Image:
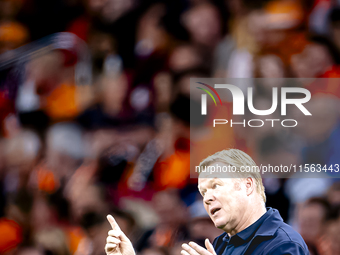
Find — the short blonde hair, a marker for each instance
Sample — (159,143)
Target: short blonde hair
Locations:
(238,159)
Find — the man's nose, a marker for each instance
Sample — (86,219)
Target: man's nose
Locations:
(208,197)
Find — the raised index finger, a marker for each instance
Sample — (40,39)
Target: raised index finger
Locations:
(113,222)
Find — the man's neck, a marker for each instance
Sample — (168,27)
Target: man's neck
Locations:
(253,214)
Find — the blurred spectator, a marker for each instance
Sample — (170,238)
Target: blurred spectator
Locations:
(335,22)
(314,61)
(52,240)
(333,194)
(201,226)
(12,33)
(96,228)
(171,227)
(329,242)
(184,58)
(204,25)
(312,216)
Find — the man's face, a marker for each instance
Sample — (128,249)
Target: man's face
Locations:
(224,199)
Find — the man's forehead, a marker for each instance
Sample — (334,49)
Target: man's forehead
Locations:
(205,177)
(206,180)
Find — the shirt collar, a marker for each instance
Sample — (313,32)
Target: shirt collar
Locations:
(270,224)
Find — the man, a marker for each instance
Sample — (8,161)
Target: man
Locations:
(235,202)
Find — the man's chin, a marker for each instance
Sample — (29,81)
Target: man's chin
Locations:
(219,225)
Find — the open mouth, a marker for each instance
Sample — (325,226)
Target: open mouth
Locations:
(213,211)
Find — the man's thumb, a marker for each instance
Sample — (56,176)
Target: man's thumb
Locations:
(209,246)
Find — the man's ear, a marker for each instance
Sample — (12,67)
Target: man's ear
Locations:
(250,185)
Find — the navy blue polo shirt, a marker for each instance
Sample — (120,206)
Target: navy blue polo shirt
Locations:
(268,235)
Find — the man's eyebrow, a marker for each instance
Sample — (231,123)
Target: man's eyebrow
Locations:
(208,183)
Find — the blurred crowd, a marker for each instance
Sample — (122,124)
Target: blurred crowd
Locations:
(82,137)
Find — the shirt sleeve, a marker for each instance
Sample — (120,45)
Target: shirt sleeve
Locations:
(288,248)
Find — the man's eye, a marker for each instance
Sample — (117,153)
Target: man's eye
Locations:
(215,186)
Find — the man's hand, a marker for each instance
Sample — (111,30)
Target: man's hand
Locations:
(117,242)
(194,249)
